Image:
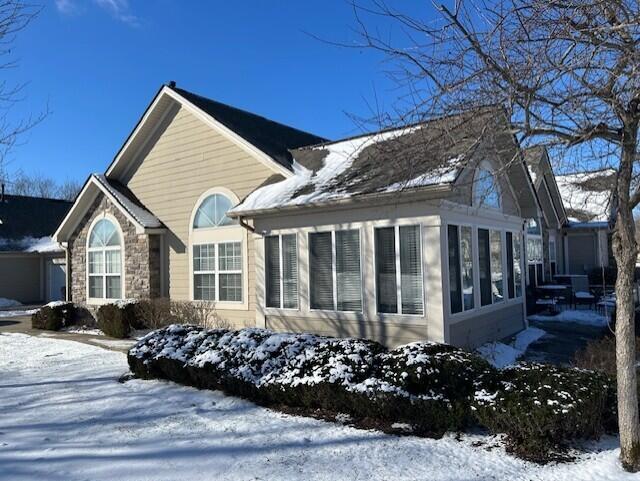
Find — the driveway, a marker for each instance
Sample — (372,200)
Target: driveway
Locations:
(22,324)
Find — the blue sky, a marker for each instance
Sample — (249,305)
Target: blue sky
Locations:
(96,64)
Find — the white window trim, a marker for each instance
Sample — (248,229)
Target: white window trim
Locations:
(478,308)
(217,235)
(515,234)
(121,247)
(334,272)
(281,262)
(474,242)
(399,314)
(216,272)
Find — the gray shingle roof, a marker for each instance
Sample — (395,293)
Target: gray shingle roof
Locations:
(273,138)
(129,202)
(28,217)
(423,155)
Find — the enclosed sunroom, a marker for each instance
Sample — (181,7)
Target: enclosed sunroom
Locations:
(402,235)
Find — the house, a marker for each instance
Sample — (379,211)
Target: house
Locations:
(154,223)
(32,265)
(573,234)
(405,234)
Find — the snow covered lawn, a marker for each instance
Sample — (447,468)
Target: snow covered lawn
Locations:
(65,417)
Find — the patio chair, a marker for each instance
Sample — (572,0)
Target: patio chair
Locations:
(584,298)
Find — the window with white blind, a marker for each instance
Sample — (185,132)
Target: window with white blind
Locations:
(217,272)
(398,260)
(335,275)
(281,271)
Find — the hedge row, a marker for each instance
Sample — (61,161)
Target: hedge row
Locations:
(432,387)
(54,316)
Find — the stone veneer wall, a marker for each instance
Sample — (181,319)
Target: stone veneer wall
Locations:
(141,256)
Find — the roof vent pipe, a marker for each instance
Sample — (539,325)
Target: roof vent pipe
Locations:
(172,84)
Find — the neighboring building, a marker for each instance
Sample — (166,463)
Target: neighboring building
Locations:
(401,235)
(32,265)
(573,236)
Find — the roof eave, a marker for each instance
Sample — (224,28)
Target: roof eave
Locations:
(346,203)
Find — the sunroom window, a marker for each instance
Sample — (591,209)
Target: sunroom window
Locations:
(398,261)
(104,261)
(335,271)
(281,264)
(460,268)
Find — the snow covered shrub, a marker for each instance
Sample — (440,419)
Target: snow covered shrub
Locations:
(425,384)
(321,372)
(118,318)
(54,316)
(164,353)
(543,408)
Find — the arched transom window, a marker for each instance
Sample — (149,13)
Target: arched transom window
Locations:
(486,192)
(217,252)
(212,212)
(105,261)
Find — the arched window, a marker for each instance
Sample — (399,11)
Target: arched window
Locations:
(218,254)
(486,192)
(104,261)
(212,212)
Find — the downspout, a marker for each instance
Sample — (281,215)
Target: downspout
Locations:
(243,223)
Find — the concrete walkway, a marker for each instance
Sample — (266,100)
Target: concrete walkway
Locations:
(22,324)
(561,342)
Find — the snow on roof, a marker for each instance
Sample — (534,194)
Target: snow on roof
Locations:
(30,244)
(128,202)
(423,155)
(307,186)
(587,195)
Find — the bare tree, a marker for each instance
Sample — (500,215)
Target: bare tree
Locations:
(567,74)
(40,186)
(15,15)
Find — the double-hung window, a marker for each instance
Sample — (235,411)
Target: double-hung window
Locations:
(335,275)
(398,262)
(281,271)
(460,268)
(217,272)
(105,261)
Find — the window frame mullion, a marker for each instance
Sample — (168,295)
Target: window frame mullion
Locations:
(334,270)
(281,261)
(398,273)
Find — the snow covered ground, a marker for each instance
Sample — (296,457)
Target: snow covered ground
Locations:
(4,302)
(502,355)
(586,317)
(65,417)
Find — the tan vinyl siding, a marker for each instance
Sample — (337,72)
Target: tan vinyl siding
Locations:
(387,333)
(188,159)
(494,324)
